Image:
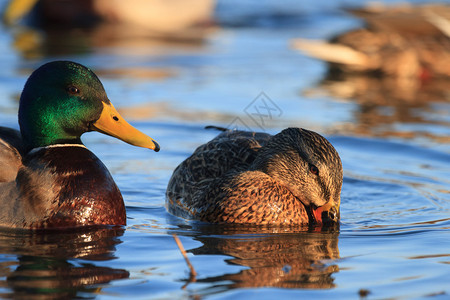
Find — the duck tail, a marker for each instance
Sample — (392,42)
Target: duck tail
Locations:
(216,128)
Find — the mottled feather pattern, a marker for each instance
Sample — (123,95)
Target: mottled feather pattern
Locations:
(250,197)
(255,178)
(214,159)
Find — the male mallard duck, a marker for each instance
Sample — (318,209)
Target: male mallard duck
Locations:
(49,179)
(291,178)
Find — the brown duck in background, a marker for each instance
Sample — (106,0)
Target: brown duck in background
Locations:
(396,65)
(400,41)
(291,178)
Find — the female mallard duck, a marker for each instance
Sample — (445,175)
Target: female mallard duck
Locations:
(291,178)
(403,42)
(49,179)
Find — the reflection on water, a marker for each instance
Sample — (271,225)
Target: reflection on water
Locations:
(40,264)
(33,43)
(384,102)
(273,257)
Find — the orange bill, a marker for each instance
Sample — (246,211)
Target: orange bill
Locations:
(327,213)
(112,123)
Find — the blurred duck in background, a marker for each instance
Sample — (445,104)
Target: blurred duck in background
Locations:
(403,42)
(399,60)
(61,27)
(155,15)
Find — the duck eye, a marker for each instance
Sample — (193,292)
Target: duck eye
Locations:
(73,90)
(313,169)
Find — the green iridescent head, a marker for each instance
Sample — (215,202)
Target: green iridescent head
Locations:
(58,102)
(62,100)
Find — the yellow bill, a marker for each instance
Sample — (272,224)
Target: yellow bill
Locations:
(112,123)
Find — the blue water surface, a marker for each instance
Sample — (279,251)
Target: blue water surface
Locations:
(394,237)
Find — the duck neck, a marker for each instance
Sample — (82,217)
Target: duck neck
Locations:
(39,139)
(46,121)
(41,132)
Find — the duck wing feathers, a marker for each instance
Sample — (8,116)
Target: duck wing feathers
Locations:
(11,151)
(232,150)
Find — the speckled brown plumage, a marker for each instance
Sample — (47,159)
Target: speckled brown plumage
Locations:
(255,178)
